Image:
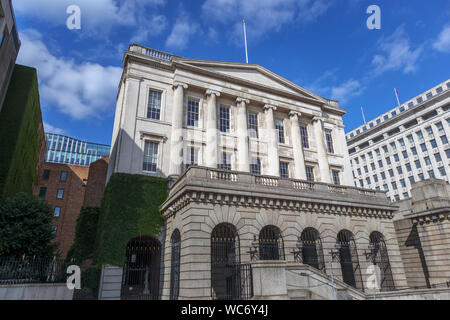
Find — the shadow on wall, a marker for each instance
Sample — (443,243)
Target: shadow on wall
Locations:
(413,240)
(128,157)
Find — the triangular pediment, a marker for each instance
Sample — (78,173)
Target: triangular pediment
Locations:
(254,74)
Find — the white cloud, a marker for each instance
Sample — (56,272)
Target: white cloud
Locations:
(182,30)
(78,90)
(262,16)
(51,129)
(346,91)
(397,53)
(443,42)
(97,16)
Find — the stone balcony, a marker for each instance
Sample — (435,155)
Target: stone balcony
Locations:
(241,188)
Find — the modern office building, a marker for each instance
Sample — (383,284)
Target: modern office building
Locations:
(9,46)
(409,143)
(66,150)
(261,188)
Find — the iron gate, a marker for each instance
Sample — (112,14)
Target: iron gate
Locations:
(348,254)
(175,265)
(311,249)
(229,279)
(141,272)
(380,258)
(271,246)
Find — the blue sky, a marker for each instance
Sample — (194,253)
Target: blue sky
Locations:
(322,45)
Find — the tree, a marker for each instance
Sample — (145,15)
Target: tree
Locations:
(25,227)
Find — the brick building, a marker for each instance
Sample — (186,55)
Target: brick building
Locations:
(67,188)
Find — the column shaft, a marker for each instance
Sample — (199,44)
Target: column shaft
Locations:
(273,161)
(322,154)
(299,159)
(211,152)
(176,146)
(242,135)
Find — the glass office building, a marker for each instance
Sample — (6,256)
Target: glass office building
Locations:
(66,150)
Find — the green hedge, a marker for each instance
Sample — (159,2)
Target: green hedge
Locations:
(20,123)
(85,234)
(130,208)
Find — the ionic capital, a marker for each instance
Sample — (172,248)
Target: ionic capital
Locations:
(212,92)
(177,84)
(242,100)
(293,114)
(269,107)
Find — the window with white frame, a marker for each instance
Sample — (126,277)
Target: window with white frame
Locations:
(253,125)
(310,173)
(304,136)
(284,169)
(335,176)
(255,166)
(150,156)
(154,105)
(226,161)
(224,119)
(192,112)
(191,157)
(280,130)
(329,139)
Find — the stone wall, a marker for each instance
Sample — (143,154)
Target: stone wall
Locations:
(35,292)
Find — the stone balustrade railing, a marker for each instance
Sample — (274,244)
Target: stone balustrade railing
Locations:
(166,57)
(240,179)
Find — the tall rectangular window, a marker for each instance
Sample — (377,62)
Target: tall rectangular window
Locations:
(60,194)
(253,125)
(226,161)
(304,136)
(42,192)
(284,169)
(46,175)
(310,174)
(154,105)
(329,139)
(63,177)
(224,119)
(444,139)
(280,129)
(57,212)
(335,175)
(150,156)
(192,113)
(255,166)
(191,157)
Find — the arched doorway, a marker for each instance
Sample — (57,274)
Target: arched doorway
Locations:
(348,255)
(141,273)
(271,246)
(225,263)
(380,258)
(312,251)
(175,242)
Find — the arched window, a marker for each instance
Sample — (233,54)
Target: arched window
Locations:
(225,262)
(380,258)
(271,245)
(348,255)
(141,274)
(175,242)
(312,252)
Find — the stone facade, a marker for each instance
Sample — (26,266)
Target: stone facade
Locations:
(9,46)
(423,229)
(200,200)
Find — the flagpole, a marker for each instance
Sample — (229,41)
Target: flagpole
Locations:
(396,94)
(245,38)
(364,117)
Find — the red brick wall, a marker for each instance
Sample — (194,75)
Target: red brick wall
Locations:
(74,191)
(95,186)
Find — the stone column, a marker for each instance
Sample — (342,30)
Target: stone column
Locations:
(242,135)
(176,145)
(211,154)
(322,154)
(347,176)
(273,161)
(299,159)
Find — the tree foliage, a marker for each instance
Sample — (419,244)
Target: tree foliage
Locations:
(25,227)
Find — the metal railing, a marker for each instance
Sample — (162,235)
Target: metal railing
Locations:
(231,282)
(32,270)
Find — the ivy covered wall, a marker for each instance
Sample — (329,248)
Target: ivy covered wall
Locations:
(130,208)
(21,133)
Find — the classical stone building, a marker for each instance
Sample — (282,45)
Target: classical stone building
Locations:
(262,203)
(404,145)
(423,230)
